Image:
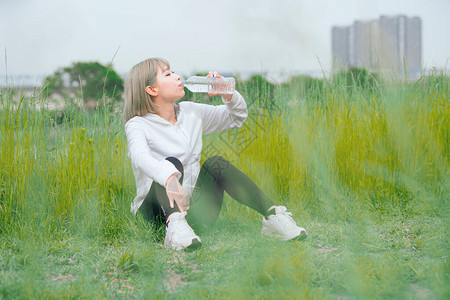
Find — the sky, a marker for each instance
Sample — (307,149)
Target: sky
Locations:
(39,36)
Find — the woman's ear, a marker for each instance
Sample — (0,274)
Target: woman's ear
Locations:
(152,91)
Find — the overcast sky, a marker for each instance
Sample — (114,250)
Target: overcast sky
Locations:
(199,35)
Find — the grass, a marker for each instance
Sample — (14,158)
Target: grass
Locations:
(365,171)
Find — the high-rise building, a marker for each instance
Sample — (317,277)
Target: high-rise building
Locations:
(389,43)
(413,44)
(340,45)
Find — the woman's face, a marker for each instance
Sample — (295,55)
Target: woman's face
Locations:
(168,84)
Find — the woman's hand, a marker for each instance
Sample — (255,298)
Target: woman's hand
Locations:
(176,193)
(216,75)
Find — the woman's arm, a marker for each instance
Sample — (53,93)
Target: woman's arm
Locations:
(141,157)
(223,117)
(231,115)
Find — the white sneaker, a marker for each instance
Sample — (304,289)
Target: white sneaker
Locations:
(179,235)
(282,226)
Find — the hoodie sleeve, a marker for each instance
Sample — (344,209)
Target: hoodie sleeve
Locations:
(141,156)
(223,117)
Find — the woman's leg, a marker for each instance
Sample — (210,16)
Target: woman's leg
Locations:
(156,206)
(216,176)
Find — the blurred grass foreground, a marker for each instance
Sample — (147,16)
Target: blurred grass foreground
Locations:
(363,164)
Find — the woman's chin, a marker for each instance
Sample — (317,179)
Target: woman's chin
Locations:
(182,95)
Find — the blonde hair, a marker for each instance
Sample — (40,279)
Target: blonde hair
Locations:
(137,102)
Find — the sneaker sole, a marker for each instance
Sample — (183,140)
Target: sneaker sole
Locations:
(299,237)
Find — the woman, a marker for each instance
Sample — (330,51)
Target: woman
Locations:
(165,144)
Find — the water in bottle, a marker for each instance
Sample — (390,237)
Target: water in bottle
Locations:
(199,84)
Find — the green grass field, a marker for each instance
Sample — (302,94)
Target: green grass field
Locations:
(365,169)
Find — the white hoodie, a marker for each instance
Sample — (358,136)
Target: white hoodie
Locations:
(151,139)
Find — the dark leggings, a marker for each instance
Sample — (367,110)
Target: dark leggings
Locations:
(216,176)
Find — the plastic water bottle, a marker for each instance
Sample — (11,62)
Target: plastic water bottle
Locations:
(199,84)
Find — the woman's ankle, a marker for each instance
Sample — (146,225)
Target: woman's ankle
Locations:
(168,218)
(271,211)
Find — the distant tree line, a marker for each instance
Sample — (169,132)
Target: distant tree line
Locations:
(92,81)
(88,80)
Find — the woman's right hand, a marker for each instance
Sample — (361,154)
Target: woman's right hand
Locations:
(175,193)
(217,75)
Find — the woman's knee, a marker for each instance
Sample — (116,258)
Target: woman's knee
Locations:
(215,166)
(216,160)
(177,163)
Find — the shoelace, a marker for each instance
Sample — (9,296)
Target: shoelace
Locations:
(288,215)
(179,224)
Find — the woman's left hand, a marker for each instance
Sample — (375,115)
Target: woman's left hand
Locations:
(175,193)
(216,75)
